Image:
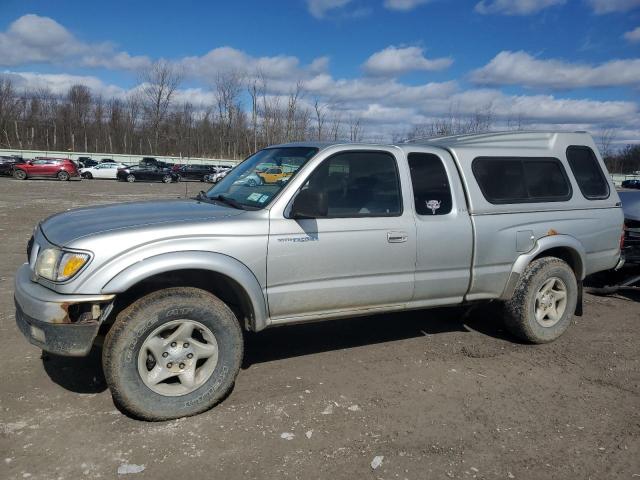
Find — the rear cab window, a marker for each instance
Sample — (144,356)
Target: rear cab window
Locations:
(521,179)
(431,189)
(586,169)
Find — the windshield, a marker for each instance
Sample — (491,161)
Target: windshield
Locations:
(257,180)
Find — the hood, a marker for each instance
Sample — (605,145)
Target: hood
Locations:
(630,204)
(62,228)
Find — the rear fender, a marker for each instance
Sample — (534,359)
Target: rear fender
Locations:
(567,242)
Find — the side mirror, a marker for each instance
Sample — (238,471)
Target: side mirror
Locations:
(310,203)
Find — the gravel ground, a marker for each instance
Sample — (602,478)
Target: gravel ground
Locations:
(433,394)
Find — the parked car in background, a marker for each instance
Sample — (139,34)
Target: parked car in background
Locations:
(631,241)
(273,175)
(250,179)
(86,162)
(194,172)
(7,162)
(60,168)
(633,183)
(102,170)
(218,175)
(147,173)
(154,162)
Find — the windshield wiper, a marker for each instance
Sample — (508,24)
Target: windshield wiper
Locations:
(228,201)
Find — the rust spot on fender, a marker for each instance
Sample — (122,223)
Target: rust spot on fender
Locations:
(552,232)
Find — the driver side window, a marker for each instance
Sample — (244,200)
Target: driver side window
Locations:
(359,184)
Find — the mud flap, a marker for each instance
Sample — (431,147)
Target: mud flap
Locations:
(578,312)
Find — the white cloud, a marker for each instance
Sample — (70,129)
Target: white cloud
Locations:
(542,107)
(515,7)
(320,8)
(227,59)
(399,60)
(59,83)
(600,7)
(35,39)
(520,68)
(404,5)
(633,36)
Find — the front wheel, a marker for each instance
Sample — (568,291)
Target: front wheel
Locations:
(173,353)
(87,175)
(166,179)
(544,301)
(19,174)
(63,176)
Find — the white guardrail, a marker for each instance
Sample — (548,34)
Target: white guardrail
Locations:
(119,157)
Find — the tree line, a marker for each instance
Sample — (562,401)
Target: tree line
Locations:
(151,121)
(242,118)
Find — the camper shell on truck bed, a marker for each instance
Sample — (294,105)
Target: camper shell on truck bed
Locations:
(356,229)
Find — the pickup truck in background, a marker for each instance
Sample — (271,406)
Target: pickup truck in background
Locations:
(357,229)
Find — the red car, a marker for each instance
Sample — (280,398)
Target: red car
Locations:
(60,168)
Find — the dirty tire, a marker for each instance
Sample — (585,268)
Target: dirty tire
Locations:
(63,176)
(136,323)
(520,317)
(19,174)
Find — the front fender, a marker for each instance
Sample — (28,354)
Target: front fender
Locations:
(198,260)
(542,245)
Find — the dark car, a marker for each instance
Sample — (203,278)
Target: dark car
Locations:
(633,183)
(631,242)
(60,168)
(86,162)
(146,173)
(108,160)
(8,162)
(195,172)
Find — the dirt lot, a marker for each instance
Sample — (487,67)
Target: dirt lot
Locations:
(441,393)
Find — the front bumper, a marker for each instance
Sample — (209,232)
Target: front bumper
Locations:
(44,316)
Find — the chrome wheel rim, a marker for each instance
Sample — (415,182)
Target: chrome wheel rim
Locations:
(551,302)
(131,178)
(178,357)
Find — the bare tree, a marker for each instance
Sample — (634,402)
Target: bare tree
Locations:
(159,84)
(321,117)
(605,142)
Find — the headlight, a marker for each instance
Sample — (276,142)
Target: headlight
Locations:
(57,265)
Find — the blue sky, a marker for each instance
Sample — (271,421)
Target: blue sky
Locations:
(547,61)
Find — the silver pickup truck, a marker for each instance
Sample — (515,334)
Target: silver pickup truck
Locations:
(305,232)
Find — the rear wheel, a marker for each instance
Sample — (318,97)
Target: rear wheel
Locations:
(544,301)
(19,174)
(131,178)
(63,176)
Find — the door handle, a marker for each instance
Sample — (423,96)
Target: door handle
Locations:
(396,237)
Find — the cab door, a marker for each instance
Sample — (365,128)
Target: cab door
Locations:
(360,256)
(443,228)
